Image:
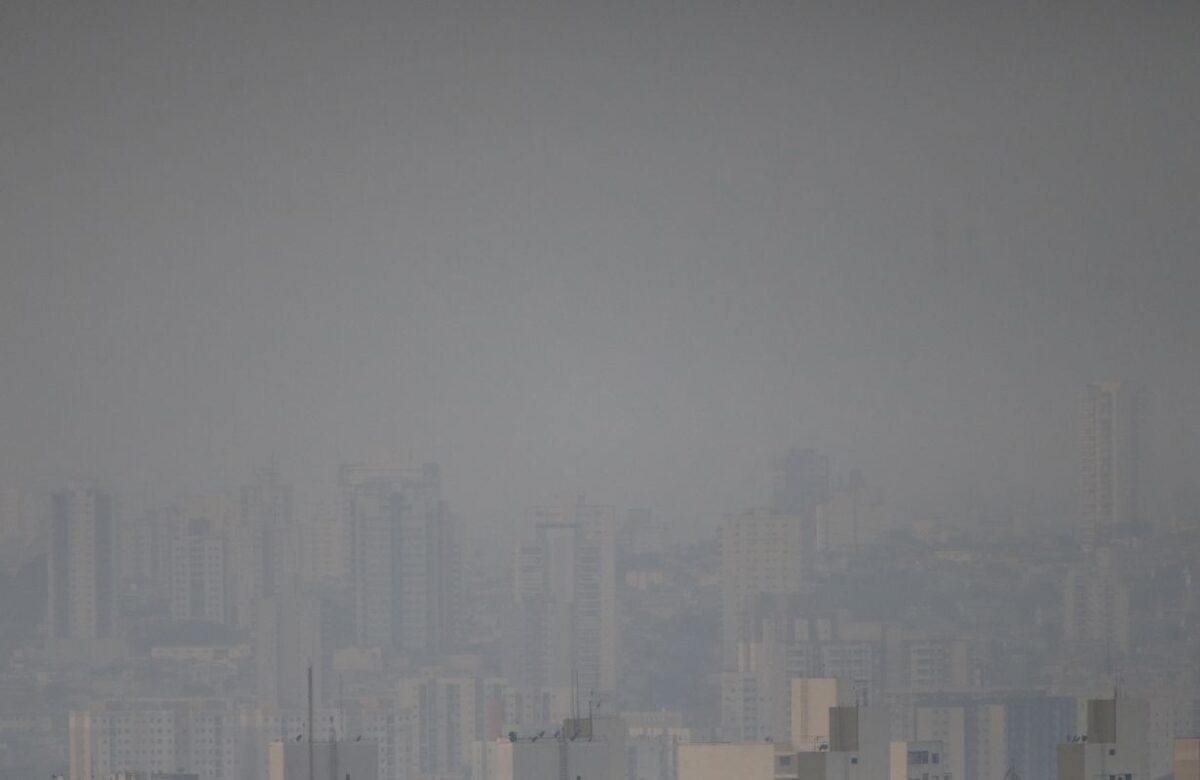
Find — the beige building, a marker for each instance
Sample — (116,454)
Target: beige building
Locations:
(947,726)
(812,699)
(1187,759)
(726,761)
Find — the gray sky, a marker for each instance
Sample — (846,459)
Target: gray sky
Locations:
(629,248)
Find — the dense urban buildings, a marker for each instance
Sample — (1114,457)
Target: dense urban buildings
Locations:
(828,636)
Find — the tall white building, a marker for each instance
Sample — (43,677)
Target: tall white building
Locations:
(448,712)
(266,543)
(566,633)
(761,554)
(1110,466)
(83,565)
(404,558)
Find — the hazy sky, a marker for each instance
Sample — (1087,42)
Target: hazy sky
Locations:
(629,248)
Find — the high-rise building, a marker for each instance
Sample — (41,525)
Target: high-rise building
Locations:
(1110,464)
(448,709)
(405,561)
(266,544)
(567,629)
(83,564)
(761,553)
(199,579)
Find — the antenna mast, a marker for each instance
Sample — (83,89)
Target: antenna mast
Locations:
(311,724)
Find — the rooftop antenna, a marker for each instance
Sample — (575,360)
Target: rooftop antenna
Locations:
(575,694)
(311,724)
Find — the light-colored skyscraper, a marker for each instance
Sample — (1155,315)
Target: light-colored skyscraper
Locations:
(761,553)
(567,600)
(405,561)
(83,564)
(1110,466)
(448,710)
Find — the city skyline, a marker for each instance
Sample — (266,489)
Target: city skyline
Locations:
(616,390)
